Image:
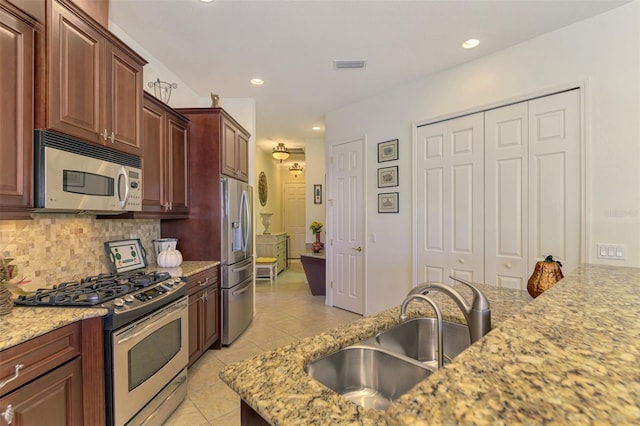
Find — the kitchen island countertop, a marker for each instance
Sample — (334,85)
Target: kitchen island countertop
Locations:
(569,357)
(25,323)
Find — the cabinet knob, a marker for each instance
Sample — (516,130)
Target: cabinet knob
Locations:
(461,260)
(508,265)
(7,414)
(104,134)
(112,137)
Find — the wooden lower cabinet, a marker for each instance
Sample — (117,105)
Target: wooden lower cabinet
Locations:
(204,313)
(61,381)
(53,399)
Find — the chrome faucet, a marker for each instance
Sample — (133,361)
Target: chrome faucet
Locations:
(403,317)
(477,315)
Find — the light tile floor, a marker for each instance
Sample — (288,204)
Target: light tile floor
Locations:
(285,312)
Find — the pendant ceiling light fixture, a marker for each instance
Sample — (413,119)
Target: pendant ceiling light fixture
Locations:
(296,169)
(280,152)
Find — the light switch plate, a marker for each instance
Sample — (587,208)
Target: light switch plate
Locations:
(611,251)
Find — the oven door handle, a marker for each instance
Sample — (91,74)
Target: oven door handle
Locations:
(166,315)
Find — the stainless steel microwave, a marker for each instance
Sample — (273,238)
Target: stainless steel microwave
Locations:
(71,175)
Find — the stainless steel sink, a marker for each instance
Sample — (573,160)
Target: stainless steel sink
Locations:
(368,376)
(417,339)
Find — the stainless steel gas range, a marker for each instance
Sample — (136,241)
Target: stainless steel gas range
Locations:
(145,338)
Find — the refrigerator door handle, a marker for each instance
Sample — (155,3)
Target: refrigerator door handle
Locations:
(243,268)
(242,290)
(245,208)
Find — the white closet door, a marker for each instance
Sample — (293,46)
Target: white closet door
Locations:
(554,191)
(506,202)
(450,211)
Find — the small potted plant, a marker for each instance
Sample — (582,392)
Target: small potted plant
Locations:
(316,227)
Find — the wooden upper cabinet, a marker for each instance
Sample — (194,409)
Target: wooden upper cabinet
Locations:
(177,146)
(124,87)
(164,161)
(234,146)
(94,81)
(17,56)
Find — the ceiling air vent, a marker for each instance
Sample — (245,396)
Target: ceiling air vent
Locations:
(296,151)
(349,65)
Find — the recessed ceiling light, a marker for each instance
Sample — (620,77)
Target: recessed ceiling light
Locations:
(206,1)
(315,128)
(471,43)
(257,81)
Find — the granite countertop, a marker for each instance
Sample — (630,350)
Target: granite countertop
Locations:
(24,323)
(569,357)
(276,386)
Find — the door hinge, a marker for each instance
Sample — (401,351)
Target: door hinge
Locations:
(331,284)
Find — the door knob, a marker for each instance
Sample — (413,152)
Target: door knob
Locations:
(356,248)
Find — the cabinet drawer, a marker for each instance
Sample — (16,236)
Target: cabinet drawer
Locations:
(39,355)
(203,279)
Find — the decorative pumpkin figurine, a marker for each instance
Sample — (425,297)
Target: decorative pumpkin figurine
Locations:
(169,258)
(545,275)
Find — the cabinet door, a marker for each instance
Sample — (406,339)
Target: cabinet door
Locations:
(153,146)
(211,315)
(177,146)
(16,109)
(123,101)
(196,315)
(55,398)
(75,64)
(242,156)
(228,145)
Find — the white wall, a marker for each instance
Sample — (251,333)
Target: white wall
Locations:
(315,174)
(243,110)
(603,52)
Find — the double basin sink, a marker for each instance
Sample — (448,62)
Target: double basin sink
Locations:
(377,371)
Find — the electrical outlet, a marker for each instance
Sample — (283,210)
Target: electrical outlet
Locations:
(611,251)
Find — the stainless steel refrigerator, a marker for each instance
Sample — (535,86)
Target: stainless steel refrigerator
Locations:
(236,257)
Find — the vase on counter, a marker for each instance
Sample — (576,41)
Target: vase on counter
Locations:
(317,245)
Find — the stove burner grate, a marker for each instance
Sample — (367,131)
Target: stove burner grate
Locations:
(92,290)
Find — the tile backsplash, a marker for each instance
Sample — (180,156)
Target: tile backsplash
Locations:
(54,248)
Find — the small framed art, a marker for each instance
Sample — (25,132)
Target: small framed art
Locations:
(317,194)
(388,202)
(388,176)
(388,151)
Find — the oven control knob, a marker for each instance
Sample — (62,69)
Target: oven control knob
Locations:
(129,298)
(118,302)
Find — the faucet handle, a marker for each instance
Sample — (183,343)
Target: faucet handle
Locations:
(479,301)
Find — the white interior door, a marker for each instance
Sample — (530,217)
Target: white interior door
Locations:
(450,211)
(532,192)
(294,214)
(346,210)
(506,195)
(554,190)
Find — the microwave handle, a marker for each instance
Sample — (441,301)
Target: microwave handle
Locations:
(122,173)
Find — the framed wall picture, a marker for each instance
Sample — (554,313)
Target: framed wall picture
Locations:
(388,151)
(388,202)
(317,194)
(387,176)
